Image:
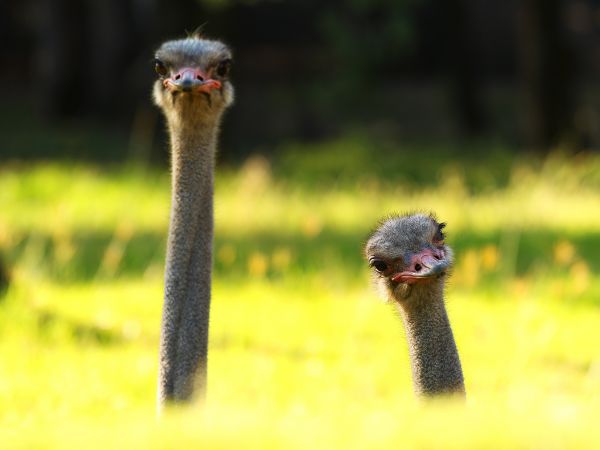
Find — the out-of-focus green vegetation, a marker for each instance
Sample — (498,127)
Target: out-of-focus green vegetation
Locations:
(302,354)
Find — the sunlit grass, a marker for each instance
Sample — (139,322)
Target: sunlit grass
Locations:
(302,354)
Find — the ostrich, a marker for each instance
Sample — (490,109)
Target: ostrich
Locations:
(410,262)
(193,91)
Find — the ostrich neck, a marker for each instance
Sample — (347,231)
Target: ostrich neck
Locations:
(184,331)
(434,358)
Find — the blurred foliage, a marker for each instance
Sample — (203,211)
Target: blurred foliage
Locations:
(305,71)
(312,205)
(366,39)
(302,355)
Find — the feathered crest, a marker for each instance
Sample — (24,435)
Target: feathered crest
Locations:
(400,215)
(198,33)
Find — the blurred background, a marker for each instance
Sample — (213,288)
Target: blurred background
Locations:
(486,112)
(519,72)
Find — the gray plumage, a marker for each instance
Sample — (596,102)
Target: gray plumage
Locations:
(410,262)
(193,91)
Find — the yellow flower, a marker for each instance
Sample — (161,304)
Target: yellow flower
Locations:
(564,252)
(258,264)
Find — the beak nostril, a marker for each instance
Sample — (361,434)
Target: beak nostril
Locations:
(199,78)
(417,267)
(178,76)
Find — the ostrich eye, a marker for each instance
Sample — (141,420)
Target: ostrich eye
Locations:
(440,236)
(223,68)
(160,68)
(379,265)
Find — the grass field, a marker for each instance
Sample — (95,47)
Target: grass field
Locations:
(302,353)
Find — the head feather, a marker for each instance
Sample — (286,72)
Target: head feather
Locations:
(198,33)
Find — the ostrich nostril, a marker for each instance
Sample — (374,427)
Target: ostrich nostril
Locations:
(198,77)
(178,76)
(417,267)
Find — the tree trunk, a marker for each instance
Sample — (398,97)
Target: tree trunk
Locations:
(463,66)
(59,69)
(546,73)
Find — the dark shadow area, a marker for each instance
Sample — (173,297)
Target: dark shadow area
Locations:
(28,137)
(78,76)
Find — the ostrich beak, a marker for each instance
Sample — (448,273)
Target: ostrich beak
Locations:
(425,265)
(191,80)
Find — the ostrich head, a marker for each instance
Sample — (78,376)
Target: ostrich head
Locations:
(193,80)
(409,258)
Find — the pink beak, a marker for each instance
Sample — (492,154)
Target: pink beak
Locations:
(191,79)
(425,265)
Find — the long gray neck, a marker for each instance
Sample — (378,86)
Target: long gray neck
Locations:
(184,331)
(434,358)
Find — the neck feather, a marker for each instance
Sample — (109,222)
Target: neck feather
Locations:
(434,358)
(184,332)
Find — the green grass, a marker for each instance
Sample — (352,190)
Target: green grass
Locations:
(302,353)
